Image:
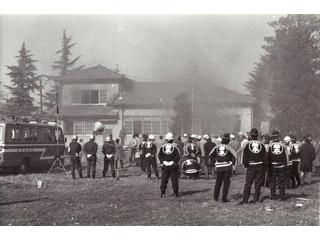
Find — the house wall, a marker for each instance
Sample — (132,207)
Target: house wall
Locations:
(245,117)
(69,89)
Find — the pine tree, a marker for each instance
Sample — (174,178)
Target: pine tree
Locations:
(292,61)
(259,85)
(182,120)
(24,82)
(62,66)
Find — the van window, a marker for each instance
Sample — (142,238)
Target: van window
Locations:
(14,134)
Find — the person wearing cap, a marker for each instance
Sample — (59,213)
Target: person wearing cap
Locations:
(90,149)
(277,160)
(288,167)
(169,157)
(109,151)
(307,155)
(295,159)
(74,151)
(222,157)
(207,148)
(255,162)
(185,138)
(149,151)
(191,149)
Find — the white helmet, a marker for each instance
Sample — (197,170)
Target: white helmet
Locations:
(287,139)
(206,136)
(108,139)
(219,139)
(151,137)
(169,136)
(75,137)
(91,137)
(232,136)
(199,137)
(185,135)
(193,136)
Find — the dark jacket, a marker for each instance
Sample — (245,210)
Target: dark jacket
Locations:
(222,158)
(307,155)
(169,152)
(74,148)
(90,148)
(254,154)
(149,147)
(277,156)
(108,148)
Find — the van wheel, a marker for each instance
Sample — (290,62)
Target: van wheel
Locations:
(25,166)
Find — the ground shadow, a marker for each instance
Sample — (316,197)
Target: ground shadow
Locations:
(22,201)
(194,192)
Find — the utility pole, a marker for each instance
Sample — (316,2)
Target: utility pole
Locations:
(192,104)
(41,104)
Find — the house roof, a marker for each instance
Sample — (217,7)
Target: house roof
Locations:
(205,93)
(85,111)
(91,74)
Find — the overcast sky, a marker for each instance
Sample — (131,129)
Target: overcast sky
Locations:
(218,48)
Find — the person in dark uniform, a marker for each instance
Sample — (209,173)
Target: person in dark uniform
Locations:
(109,151)
(295,158)
(307,155)
(149,151)
(142,157)
(90,149)
(74,151)
(255,162)
(277,160)
(169,157)
(208,146)
(222,158)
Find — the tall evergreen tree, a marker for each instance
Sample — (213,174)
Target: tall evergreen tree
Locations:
(63,65)
(24,82)
(293,62)
(259,85)
(182,120)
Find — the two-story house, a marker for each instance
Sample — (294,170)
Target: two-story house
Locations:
(99,94)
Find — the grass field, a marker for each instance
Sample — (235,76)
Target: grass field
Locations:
(133,200)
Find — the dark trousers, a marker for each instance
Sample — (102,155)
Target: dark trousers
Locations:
(288,170)
(277,178)
(151,162)
(91,166)
(171,172)
(106,163)
(295,176)
(75,164)
(222,177)
(143,163)
(254,174)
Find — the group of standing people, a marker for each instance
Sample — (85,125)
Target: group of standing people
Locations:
(113,156)
(276,163)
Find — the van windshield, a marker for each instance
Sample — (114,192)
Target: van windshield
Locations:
(1,133)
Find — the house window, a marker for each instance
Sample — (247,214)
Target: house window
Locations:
(94,96)
(128,125)
(147,127)
(164,126)
(83,128)
(155,127)
(77,128)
